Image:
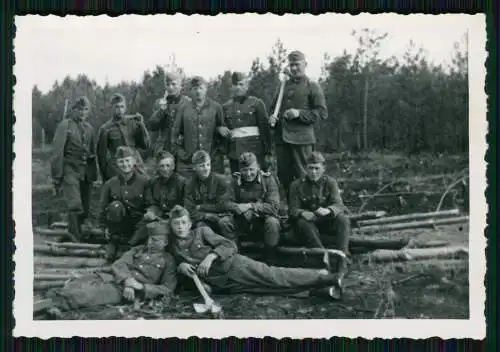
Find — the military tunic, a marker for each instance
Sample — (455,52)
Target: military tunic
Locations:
(120,132)
(247,119)
(155,270)
(234,273)
(306,195)
(262,219)
(206,200)
(295,138)
(163,194)
(74,168)
(163,120)
(198,128)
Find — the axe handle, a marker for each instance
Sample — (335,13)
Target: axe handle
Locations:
(202,290)
(280,98)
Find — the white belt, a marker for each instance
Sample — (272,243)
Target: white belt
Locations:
(242,132)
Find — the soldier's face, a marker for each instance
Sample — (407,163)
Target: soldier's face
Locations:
(181,226)
(315,171)
(297,68)
(202,170)
(83,112)
(249,173)
(126,165)
(173,87)
(240,89)
(119,108)
(157,243)
(199,92)
(166,167)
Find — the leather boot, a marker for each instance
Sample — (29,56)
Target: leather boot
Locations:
(74,226)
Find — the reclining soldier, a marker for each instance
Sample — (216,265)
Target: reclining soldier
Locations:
(206,197)
(215,260)
(145,272)
(317,212)
(123,204)
(255,201)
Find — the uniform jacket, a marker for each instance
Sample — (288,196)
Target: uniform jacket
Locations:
(198,128)
(306,195)
(163,120)
(155,270)
(206,197)
(248,111)
(308,97)
(115,133)
(263,193)
(130,193)
(162,195)
(73,152)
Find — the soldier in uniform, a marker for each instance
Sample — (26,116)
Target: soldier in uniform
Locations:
(207,195)
(247,119)
(120,130)
(317,212)
(162,120)
(199,125)
(255,203)
(215,260)
(145,272)
(303,104)
(123,204)
(73,165)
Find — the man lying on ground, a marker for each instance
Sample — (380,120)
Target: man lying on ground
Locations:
(143,273)
(216,261)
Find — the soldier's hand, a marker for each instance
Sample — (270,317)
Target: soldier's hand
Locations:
(225,132)
(149,216)
(139,117)
(128,293)
(186,269)
(291,114)
(273,119)
(56,189)
(322,211)
(309,216)
(244,207)
(107,234)
(248,215)
(204,266)
(97,183)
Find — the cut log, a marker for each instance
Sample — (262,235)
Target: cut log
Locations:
(396,194)
(42,304)
(374,214)
(429,264)
(383,255)
(45,285)
(378,243)
(72,245)
(42,188)
(412,225)
(53,277)
(416,216)
(69,252)
(72,271)
(69,262)
(293,250)
(428,244)
(63,232)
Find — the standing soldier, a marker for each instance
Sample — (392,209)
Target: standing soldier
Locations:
(199,125)
(73,165)
(163,119)
(247,119)
(120,130)
(255,203)
(303,104)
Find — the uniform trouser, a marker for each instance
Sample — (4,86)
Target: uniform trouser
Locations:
(266,228)
(335,231)
(77,195)
(292,162)
(125,233)
(248,275)
(222,225)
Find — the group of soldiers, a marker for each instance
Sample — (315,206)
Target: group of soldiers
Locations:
(189,207)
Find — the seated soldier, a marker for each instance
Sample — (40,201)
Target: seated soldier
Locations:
(206,196)
(123,204)
(255,203)
(144,272)
(316,208)
(215,260)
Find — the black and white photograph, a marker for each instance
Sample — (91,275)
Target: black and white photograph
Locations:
(287,176)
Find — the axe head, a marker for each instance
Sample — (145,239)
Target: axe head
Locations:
(207,307)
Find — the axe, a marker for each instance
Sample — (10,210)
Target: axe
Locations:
(209,304)
(277,107)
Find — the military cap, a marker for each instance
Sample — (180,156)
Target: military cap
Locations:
(124,152)
(315,158)
(296,55)
(163,154)
(247,159)
(200,156)
(172,76)
(81,102)
(198,81)
(178,212)
(117,98)
(158,228)
(116,212)
(237,77)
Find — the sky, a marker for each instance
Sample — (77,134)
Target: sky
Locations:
(48,48)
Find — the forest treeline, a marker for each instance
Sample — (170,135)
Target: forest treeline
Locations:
(407,104)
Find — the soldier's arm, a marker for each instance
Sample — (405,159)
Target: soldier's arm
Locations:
(219,117)
(181,190)
(152,202)
(295,205)
(102,150)
(176,131)
(168,281)
(105,199)
(121,267)
(317,106)
(156,120)
(264,128)
(271,203)
(223,247)
(189,201)
(57,157)
(336,204)
(93,142)
(231,201)
(142,137)
(222,197)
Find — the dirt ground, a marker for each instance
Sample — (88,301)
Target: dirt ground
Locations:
(372,290)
